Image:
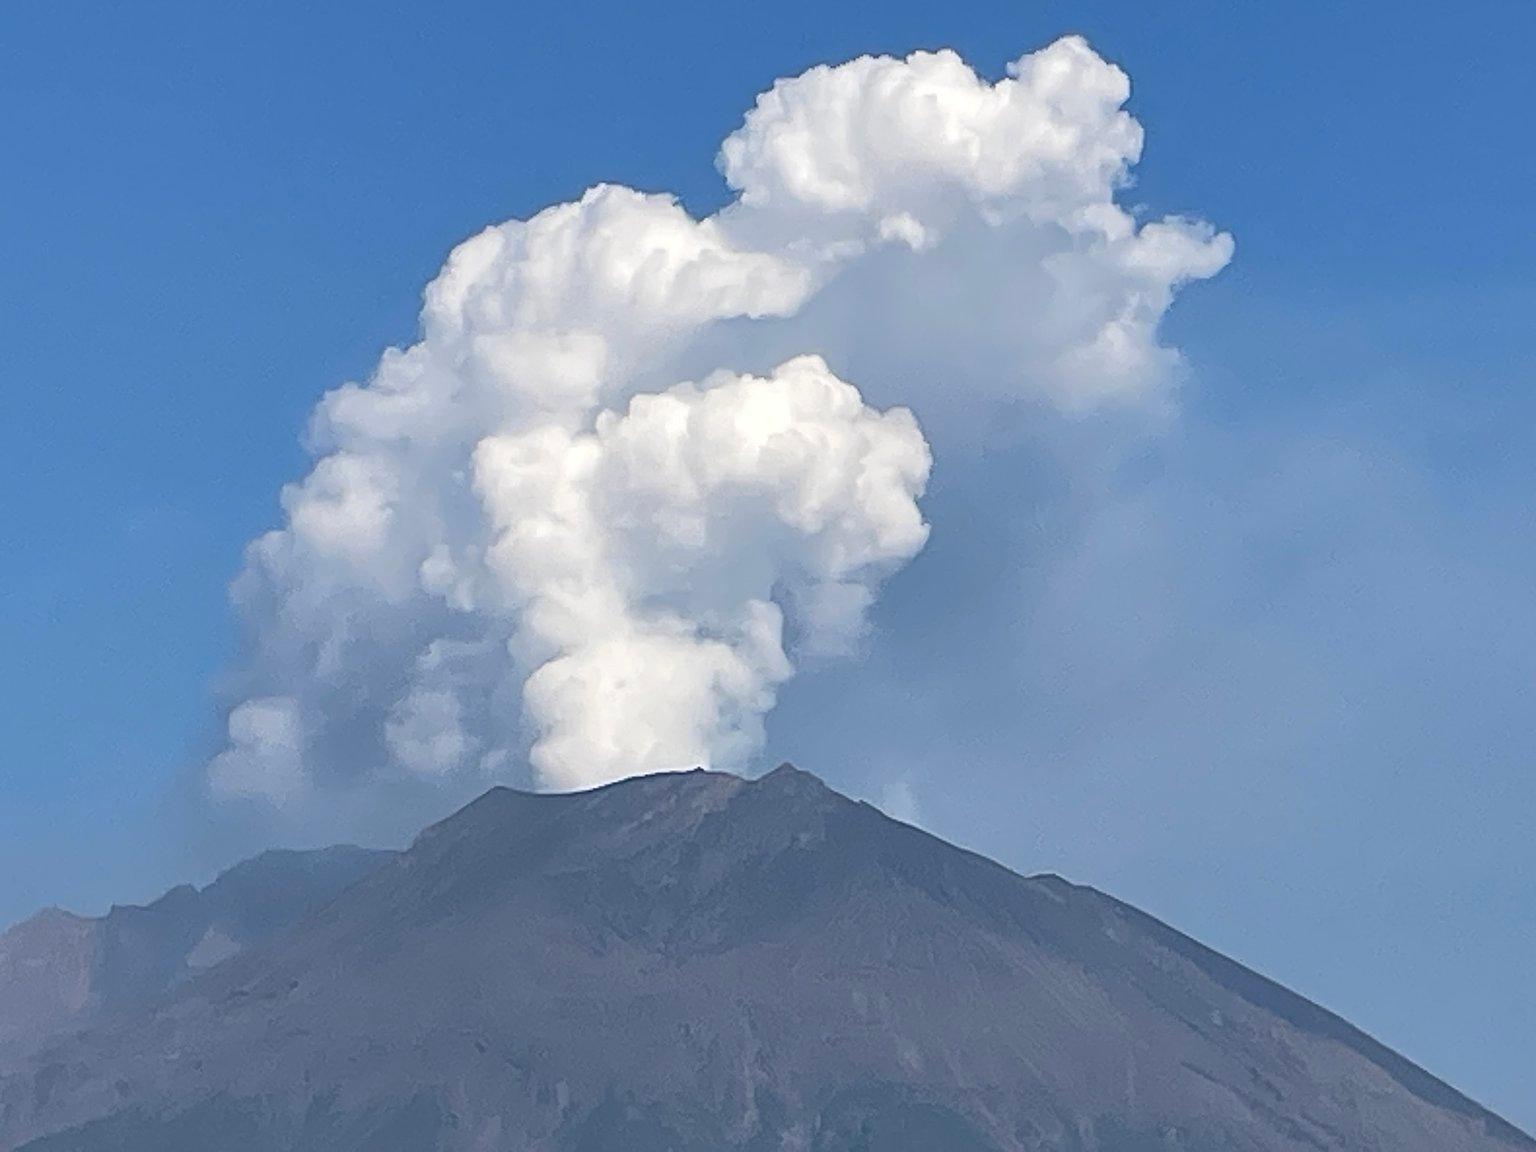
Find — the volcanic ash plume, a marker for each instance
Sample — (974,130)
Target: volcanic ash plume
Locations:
(615,491)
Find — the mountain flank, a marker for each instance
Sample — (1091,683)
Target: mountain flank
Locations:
(59,971)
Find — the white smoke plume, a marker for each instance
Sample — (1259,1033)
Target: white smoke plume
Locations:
(615,491)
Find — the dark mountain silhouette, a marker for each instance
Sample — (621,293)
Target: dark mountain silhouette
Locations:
(698,963)
(59,971)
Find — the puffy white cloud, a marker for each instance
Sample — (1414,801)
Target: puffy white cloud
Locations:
(641,559)
(907,142)
(595,515)
(265,755)
(656,695)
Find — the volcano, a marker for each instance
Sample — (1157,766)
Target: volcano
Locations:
(695,962)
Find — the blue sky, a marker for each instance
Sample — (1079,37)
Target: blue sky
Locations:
(1266,674)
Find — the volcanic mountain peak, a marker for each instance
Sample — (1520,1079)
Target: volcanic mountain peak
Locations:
(698,963)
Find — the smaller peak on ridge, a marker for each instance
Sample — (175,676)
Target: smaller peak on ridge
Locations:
(53,914)
(173,899)
(50,919)
(787,771)
(788,780)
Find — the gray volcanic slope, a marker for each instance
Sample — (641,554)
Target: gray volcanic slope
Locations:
(696,963)
(60,971)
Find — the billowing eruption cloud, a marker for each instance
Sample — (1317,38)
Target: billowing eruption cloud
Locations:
(627,477)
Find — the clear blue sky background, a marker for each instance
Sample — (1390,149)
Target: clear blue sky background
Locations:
(1298,723)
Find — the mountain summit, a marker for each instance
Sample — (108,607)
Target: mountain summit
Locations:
(694,962)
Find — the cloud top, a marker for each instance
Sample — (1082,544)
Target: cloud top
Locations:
(884,139)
